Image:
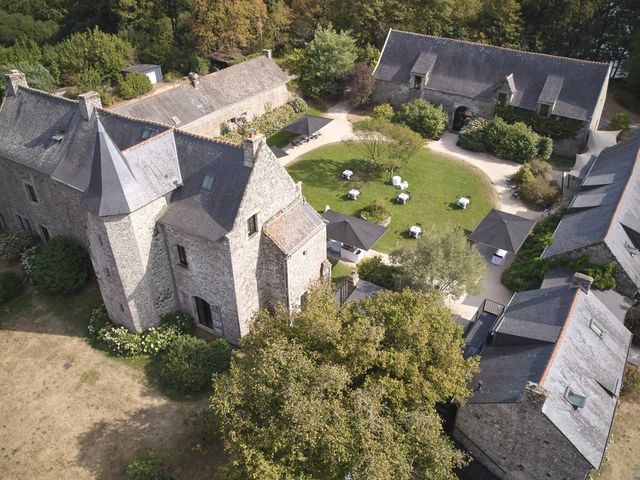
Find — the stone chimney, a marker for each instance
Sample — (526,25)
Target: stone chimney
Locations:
(252,144)
(266,52)
(582,281)
(14,80)
(535,394)
(88,102)
(194,79)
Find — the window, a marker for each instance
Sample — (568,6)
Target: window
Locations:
(204,313)
(148,132)
(31,192)
(502,99)
(207,183)
(417,82)
(596,328)
(100,240)
(252,224)
(24,222)
(545,110)
(576,400)
(182,255)
(45,233)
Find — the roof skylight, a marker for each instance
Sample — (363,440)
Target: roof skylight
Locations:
(596,328)
(207,183)
(576,400)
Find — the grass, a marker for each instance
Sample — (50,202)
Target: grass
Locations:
(435,183)
(339,270)
(282,138)
(90,377)
(562,163)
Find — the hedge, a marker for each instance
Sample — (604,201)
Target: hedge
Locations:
(557,128)
(376,212)
(10,286)
(373,270)
(61,266)
(424,118)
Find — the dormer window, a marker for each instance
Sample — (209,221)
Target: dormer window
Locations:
(633,251)
(502,99)
(148,132)
(598,330)
(417,82)
(207,183)
(577,401)
(544,110)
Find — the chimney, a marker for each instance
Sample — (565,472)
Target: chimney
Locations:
(266,52)
(14,80)
(88,102)
(251,145)
(535,394)
(194,79)
(582,281)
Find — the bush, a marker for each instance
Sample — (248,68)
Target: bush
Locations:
(632,322)
(424,118)
(496,129)
(373,270)
(545,148)
(472,135)
(134,85)
(189,362)
(384,111)
(88,80)
(543,169)
(10,286)
(28,261)
(518,144)
(525,174)
(619,121)
(13,245)
(61,266)
(376,212)
(148,465)
(539,193)
(37,75)
(360,83)
(298,104)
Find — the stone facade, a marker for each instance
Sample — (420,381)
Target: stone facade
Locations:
(516,441)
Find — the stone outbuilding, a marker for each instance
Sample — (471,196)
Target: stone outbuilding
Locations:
(172,220)
(471,79)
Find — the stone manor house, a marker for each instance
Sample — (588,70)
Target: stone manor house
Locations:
(172,220)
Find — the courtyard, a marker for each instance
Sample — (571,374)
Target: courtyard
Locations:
(435,184)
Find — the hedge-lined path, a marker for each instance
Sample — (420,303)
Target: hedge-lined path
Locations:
(71,411)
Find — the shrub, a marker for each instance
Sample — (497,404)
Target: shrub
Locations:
(360,83)
(376,212)
(555,127)
(384,112)
(422,117)
(518,143)
(37,75)
(61,266)
(298,105)
(525,174)
(472,135)
(373,270)
(13,245)
(10,286)
(148,465)
(619,121)
(88,80)
(189,362)
(496,129)
(539,193)
(632,322)
(134,85)
(28,261)
(543,169)
(545,148)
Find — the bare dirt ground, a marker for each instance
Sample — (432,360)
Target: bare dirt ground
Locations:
(68,410)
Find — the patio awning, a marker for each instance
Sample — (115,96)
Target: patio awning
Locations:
(352,230)
(502,230)
(307,125)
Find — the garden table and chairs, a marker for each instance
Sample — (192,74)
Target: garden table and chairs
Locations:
(353,194)
(415,231)
(403,185)
(347,175)
(463,202)
(403,198)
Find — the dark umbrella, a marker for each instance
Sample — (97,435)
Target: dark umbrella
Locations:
(307,125)
(502,230)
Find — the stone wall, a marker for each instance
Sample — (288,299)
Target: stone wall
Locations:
(254,106)
(516,441)
(304,267)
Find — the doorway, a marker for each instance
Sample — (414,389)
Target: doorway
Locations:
(461,117)
(204,313)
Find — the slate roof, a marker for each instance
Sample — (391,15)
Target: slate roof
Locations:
(292,227)
(476,70)
(214,92)
(606,209)
(352,231)
(502,230)
(545,336)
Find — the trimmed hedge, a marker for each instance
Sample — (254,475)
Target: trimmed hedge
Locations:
(13,245)
(189,362)
(61,266)
(10,286)
(424,118)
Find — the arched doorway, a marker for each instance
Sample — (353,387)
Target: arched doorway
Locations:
(461,117)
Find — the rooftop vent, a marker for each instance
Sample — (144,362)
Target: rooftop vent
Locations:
(149,132)
(633,251)
(175,120)
(207,183)
(57,138)
(577,401)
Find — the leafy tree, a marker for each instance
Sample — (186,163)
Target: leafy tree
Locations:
(360,84)
(326,59)
(422,117)
(383,111)
(373,270)
(368,135)
(632,64)
(226,24)
(173,9)
(37,76)
(442,260)
(23,50)
(61,266)
(134,85)
(13,25)
(323,393)
(88,80)
(500,23)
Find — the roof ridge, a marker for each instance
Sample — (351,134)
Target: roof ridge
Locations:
(501,48)
(625,189)
(49,94)
(149,140)
(135,119)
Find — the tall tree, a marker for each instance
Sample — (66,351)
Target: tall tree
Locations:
(442,260)
(326,394)
(499,23)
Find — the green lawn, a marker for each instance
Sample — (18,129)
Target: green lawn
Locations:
(435,183)
(282,139)
(339,271)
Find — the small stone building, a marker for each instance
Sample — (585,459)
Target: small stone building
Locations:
(233,95)
(172,220)
(471,79)
(551,368)
(603,219)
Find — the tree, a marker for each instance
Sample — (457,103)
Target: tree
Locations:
(226,24)
(500,23)
(422,117)
(367,133)
(360,84)
(134,85)
(326,59)
(323,393)
(173,9)
(632,64)
(13,25)
(442,260)
(37,76)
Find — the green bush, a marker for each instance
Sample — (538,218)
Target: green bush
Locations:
(525,174)
(88,80)
(518,144)
(539,193)
(472,135)
(37,75)
(28,261)
(376,212)
(495,131)
(545,148)
(13,245)
(424,118)
(10,286)
(189,362)
(619,121)
(557,128)
(373,270)
(148,465)
(61,266)
(134,85)
(384,112)
(298,104)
